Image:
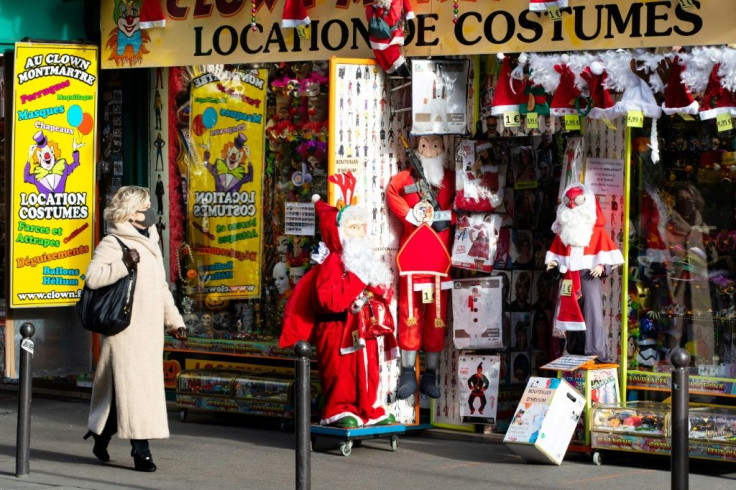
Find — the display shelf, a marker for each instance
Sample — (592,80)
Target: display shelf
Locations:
(699,385)
(249,348)
(662,446)
(633,418)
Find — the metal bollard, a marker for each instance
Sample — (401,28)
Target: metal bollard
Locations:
(303,416)
(680,462)
(23,440)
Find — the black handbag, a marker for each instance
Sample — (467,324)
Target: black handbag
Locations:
(107,310)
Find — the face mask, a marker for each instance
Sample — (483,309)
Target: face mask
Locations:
(149,217)
(684,207)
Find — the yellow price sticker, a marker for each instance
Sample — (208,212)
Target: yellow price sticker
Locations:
(428,294)
(532,120)
(635,119)
(302,31)
(511,119)
(687,4)
(572,122)
(566,287)
(724,122)
(686,117)
(554,13)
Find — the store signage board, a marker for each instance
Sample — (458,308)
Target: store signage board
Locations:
(52,172)
(199,32)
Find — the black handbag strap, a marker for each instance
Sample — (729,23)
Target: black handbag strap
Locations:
(122,245)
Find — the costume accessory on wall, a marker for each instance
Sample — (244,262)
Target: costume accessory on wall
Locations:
(479,181)
(477,313)
(542,5)
(567,93)
(677,96)
(152,15)
(476,240)
(602,105)
(107,310)
(508,94)
(294,14)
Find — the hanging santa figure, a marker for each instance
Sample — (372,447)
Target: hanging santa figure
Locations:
(584,252)
(421,197)
(386,34)
(341,306)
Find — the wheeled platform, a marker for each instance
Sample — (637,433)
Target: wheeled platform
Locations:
(353,437)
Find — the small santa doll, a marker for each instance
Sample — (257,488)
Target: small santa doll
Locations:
(582,244)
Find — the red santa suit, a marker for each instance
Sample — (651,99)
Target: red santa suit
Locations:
(418,327)
(572,259)
(320,311)
(387,49)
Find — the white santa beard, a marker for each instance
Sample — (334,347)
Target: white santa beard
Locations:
(359,258)
(575,225)
(434,169)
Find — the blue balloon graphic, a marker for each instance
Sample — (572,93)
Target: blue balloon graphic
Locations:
(209,117)
(74,115)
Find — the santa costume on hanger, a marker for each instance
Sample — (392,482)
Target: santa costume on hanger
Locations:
(326,307)
(582,244)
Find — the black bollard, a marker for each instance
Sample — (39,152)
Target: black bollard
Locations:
(23,440)
(680,462)
(303,416)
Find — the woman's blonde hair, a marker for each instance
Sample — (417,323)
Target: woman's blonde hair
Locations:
(124,204)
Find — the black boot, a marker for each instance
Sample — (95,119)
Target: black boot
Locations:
(100,447)
(142,455)
(407,383)
(428,384)
(403,71)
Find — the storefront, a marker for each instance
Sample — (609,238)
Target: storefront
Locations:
(299,111)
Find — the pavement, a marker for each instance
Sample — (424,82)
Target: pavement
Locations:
(235,452)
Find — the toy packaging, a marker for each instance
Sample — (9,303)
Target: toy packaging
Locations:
(476,307)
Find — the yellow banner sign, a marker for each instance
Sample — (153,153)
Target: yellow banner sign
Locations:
(52,172)
(207,32)
(226,181)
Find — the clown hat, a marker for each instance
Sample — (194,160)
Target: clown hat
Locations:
(40,139)
(327,216)
(717,99)
(602,103)
(294,14)
(542,5)
(152,15)
(240,140)
(563,100)
(677,97)
(508,92)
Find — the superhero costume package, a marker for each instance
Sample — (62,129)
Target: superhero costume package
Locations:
(477,307)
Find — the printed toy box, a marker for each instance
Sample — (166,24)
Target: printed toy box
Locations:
(634,417)
(545,419)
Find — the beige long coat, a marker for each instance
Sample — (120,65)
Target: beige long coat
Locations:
(132,361)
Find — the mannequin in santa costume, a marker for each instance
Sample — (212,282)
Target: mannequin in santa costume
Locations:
(421,324)
(583,251)
(324,308)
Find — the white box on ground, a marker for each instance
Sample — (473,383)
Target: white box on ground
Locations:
(545,420)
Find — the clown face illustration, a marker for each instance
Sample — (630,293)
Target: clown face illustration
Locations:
(129,21)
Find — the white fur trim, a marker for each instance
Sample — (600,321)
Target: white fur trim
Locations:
(316,197)
(291,23)
(570,326)
(692,109)
(499,110)
(409,15)
(579,262)
(380,46)
(354,348)
(340,416)
(396,64)
(715,112)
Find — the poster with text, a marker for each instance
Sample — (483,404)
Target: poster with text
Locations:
(52,172)
(225,187)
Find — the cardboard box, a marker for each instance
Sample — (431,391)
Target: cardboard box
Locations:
(545,419)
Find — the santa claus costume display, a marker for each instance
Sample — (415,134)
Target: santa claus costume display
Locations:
(326,308)
(422,305)
(584,252)
(386,33)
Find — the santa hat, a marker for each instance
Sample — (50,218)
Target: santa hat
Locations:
(717,99)
(542,5)
(677,97)
(710,71)
(328,224)
(509,92)
(602,103)
(424,254)
(152,15)
(567,91)
(294,14)
(568,316)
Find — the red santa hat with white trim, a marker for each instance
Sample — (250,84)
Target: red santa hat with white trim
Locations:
(509,92)
(566,93)
(602,102)
(328,217)
(710,71)
(294,14)
(152,15)
(677,96)
(542,5)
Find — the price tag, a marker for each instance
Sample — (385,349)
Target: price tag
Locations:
(572,122)
(566,287)
(303,31)
(635,119)
(724,122)
(554,13)
(511,119)
(445,215)
(428,294)
(532,120)
(687,4)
